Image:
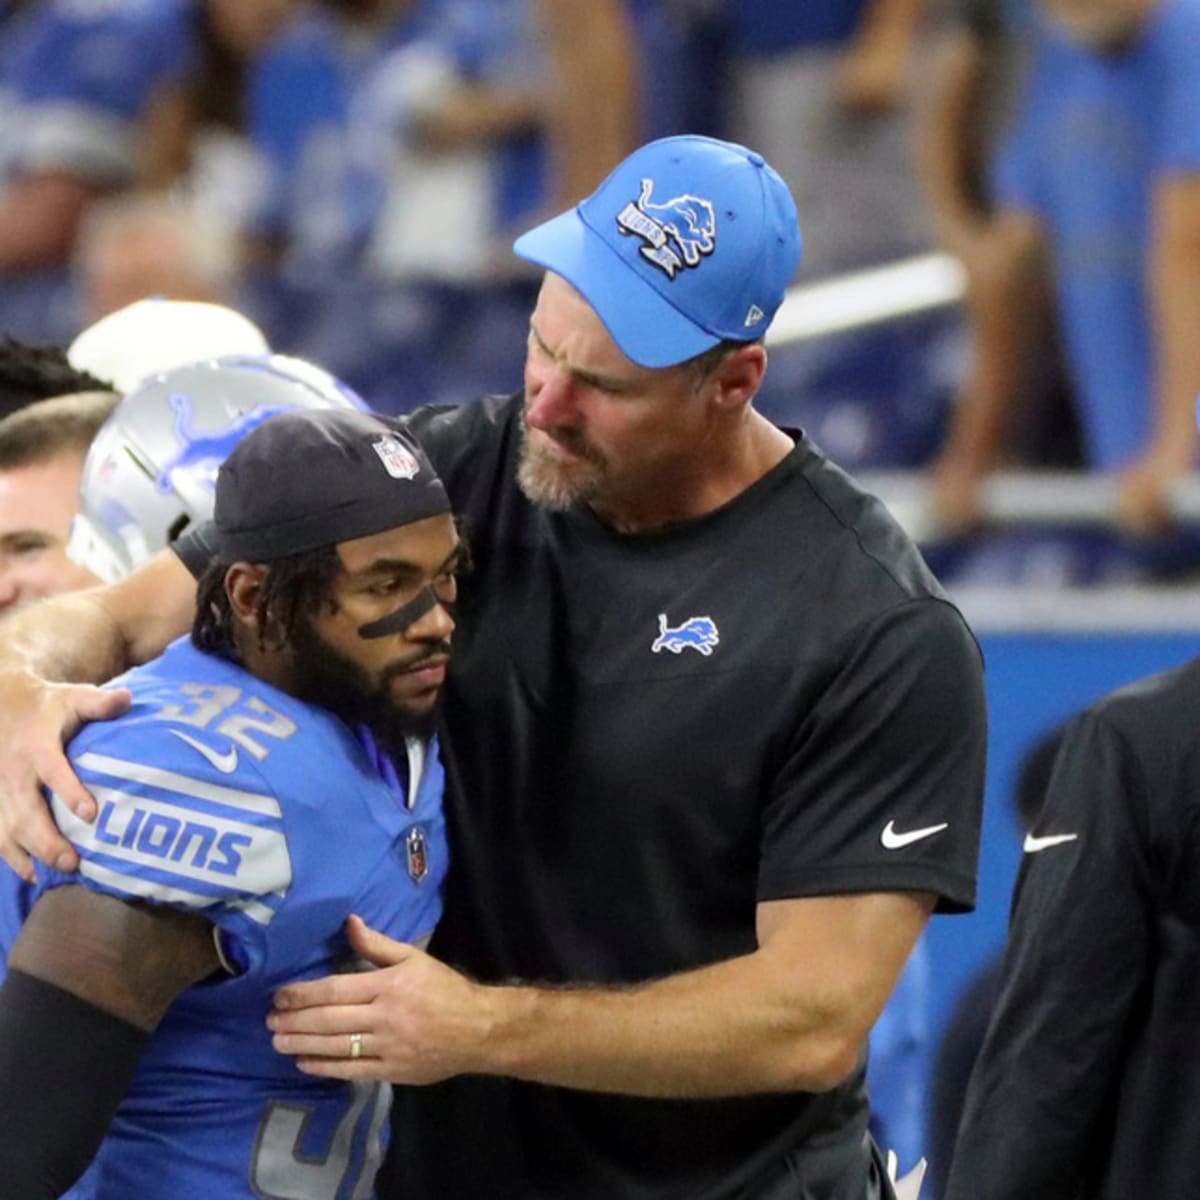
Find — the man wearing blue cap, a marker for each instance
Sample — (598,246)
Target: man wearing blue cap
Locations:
(714,744)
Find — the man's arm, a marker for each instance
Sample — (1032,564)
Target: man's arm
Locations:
(90,978)
(89,636)
(596,76)
(874,70)
(793,1015)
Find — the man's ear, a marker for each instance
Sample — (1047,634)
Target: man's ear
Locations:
(244,583)
(738,376)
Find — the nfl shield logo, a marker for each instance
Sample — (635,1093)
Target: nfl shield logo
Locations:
(397,458)
(415,853)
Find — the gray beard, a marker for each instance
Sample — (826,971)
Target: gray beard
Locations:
(551,489)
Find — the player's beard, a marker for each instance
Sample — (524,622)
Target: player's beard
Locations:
(554,484)
(323,676)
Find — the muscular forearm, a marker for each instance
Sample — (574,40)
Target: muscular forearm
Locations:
(92,636)
(792,1016)
(720,1031)
(70,637)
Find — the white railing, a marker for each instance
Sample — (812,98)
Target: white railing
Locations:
(1024,498)
(862,298)
(1008,499)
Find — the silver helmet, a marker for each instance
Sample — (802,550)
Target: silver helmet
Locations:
(152,468)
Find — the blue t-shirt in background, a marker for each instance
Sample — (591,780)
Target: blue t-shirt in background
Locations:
(1095,136)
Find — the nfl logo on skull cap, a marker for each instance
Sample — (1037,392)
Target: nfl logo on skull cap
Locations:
(398,460)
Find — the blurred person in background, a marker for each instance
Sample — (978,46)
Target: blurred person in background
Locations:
(405,142)
(825,89)
(1100,179)
(137,245)
(195,142)
(898,1062)
(30,372)
(987,49)
(1087,1085)
(958,1047)
(76,78)
(42,449)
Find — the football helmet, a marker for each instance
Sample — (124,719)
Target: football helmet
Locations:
(151,470)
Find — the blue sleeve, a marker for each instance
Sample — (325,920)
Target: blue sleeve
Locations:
(1016,168)
(168,832)
(1178,147)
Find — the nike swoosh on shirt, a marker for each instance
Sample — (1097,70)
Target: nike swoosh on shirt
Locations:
(1034,844)
(225,763)
(897,841)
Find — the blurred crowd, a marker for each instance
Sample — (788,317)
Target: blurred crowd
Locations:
(351,173)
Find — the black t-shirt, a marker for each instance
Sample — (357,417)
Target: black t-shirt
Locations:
(1088,1083)
(646,735)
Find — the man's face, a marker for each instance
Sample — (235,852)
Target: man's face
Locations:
(599,429)
(390,682)
(37,503)
(1105,26)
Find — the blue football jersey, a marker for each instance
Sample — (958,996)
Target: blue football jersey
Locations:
(222,795)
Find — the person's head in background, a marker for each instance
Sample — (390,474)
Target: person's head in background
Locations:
(42,449)
(1105,26)
(138,245)
(31,371)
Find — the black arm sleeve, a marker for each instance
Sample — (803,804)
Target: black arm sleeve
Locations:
(64,1067)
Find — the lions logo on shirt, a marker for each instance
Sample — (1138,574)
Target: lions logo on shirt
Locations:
(696,633)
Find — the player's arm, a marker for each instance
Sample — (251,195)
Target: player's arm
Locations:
(89,979)
(1075,964)
(793,1015)
(91,636)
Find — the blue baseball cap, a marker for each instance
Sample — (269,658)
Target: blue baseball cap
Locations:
(688,242)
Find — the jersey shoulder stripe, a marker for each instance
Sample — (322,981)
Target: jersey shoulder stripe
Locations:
(164,835)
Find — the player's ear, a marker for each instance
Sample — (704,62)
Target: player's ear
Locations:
(244,586)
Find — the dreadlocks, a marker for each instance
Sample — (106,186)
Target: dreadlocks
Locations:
(293,584)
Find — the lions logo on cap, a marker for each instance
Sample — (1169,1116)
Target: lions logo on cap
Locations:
(397,458)
(678,233)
